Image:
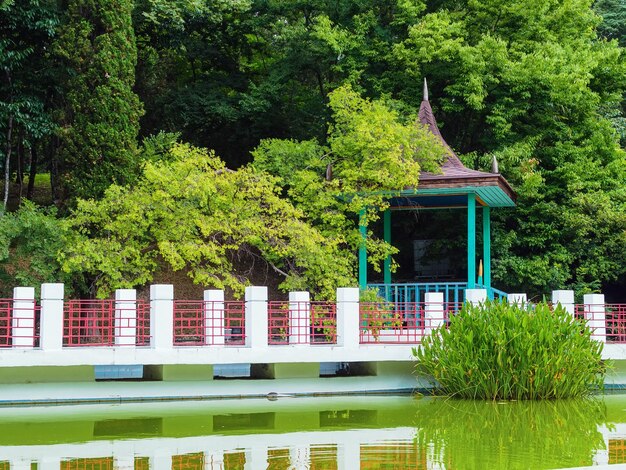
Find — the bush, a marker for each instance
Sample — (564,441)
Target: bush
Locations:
(498,351)
(30,241)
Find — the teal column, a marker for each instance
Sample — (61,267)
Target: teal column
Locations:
(471,241)
(487,246)
(363,250)
(387,236)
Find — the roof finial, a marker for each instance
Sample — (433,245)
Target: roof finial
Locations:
(425,90)
(494,164)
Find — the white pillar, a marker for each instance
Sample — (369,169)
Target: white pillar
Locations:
(125,317)
(161,459)
(23,319)
(162,316)
(256,323)
(19,464)
(565,298)
(475,296)
(595,314)
(51,324)
(256,458)
(214,460)
(214,317)
(123,462)
(299,456)
(299,318)
(348,329)
(49,463)
(433,311)
(519,299)
(348,454)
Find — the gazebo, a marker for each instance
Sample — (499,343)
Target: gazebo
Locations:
(455,187)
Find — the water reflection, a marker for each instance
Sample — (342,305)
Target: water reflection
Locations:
(512,435)
(316,433)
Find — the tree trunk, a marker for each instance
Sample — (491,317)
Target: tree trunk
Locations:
(7,169)
(33,173)
(20,168)
(53,158)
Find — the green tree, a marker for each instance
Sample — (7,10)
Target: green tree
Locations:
(26,31)
(100,121)
(613,13)
(371,155)
(30,240)
(530,82)
(189,212)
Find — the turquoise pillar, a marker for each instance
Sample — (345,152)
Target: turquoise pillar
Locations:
(363,250)
(387,237)
(487,246)
(471,241)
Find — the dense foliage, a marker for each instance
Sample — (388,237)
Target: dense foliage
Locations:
(30,240)
(100,119)
(192,213)
(538,84)
(500,351)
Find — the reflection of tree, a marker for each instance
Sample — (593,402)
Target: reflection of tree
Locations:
(511,435)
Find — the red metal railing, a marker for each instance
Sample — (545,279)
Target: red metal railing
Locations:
(6,308)
(101,323)
(401,322)
(200,323)
(302,323)
(19,323)
(606,321)
(615,323)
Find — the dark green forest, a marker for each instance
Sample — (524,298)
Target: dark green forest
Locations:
(145,136)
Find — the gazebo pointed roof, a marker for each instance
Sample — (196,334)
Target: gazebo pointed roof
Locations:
(455,178)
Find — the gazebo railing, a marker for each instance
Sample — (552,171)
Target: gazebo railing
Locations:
(453,292)
(415,292)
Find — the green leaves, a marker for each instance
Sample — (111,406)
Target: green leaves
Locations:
(189,212)
(30,240)
(497,351)
(101,120)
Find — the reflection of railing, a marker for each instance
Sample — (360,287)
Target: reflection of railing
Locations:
(311,449)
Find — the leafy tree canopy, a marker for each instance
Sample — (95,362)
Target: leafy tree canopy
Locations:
(193,213)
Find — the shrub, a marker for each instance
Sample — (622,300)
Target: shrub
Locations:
(499,351)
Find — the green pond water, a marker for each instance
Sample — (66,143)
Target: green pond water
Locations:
(390,432)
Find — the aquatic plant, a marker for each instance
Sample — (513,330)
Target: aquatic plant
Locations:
(501,351)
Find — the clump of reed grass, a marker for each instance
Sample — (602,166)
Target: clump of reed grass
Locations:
(501,352)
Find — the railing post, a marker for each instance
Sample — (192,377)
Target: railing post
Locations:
(348,328)
(475,296)
(256,323)
(299,317)
(214,317)
(51,325)
(595,314)
(162,316)
(23,320)
(519,299)
(433,311)
(125,317)
(565,298)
